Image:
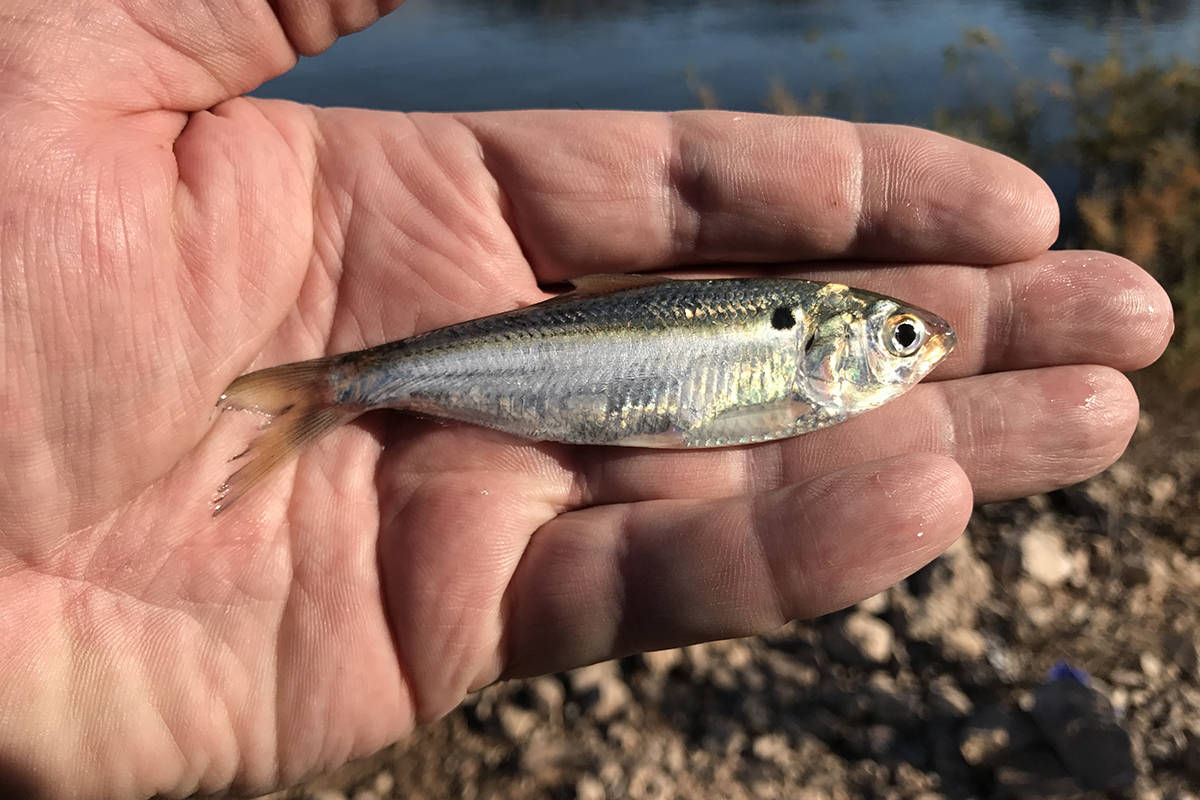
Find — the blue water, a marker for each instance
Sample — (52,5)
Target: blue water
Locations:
(872,60)
(882,60)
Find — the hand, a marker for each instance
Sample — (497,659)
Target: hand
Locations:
(151,251)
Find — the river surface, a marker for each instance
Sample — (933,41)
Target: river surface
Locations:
(896,61)
(883,60)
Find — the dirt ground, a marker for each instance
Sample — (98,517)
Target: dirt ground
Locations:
(1053,652)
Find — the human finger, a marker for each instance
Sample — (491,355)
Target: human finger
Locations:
(184,56)
(1013,433)
(1059,307)
(624,191)
(616,579)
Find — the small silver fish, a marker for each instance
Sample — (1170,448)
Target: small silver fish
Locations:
(635,360)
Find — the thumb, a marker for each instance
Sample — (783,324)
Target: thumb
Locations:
(117,58)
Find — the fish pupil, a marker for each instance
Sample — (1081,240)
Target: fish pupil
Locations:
(783,319)
(906,335)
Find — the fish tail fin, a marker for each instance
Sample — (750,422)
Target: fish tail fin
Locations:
(298,399)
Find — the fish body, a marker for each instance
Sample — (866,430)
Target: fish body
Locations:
(621,360)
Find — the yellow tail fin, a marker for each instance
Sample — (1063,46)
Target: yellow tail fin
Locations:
(298,399)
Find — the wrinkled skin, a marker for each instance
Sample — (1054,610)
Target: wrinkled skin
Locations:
(161,234)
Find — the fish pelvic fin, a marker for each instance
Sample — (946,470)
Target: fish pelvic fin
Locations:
(298,401)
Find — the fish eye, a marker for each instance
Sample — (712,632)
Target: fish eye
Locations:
(904,334)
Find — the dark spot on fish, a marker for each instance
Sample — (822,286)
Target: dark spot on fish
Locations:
(783,319)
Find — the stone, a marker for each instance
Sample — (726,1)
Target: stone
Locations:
(876,604)
(995,734)
(1127,677)
(698,658)
(548,695)
(1151,666)
(516,722)
(384,783)
(602,684)
(589,788)
(1162,490)
(964,644)
(771,747)
(1041,615)
(586,678)
(1080,724)
(1043,555)
(675,758)
(612,775)
(614,700)
(811,793)
(661,662)
(737,654)
(626,737)
(913,782)
(860,638)
(880,740)
(764,790)
(1005,662)
(545,752)
(1123,475)
(947,700)
(366,794)
(326,794)
(648,782)
(482,706)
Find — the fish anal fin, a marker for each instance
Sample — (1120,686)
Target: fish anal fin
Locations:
(667,439)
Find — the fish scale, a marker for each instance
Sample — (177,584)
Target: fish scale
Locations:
(625,360)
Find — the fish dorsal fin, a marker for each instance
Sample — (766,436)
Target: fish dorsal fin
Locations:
(592,285)
(605,284)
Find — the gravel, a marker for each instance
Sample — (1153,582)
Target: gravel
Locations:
(940,687)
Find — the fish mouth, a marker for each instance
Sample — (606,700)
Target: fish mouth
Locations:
(942,339)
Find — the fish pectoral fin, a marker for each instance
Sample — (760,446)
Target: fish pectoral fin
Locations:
(753,423)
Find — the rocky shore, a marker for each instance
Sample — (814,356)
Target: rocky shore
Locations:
(1051,653)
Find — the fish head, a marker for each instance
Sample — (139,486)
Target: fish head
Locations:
(865,349)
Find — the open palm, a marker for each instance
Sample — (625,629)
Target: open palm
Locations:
(151,251)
